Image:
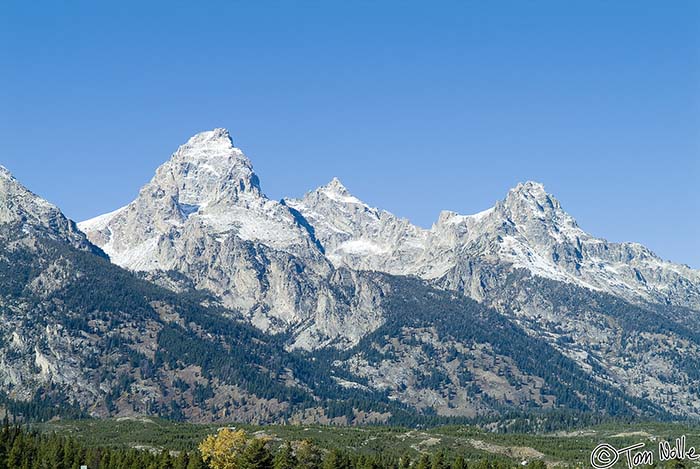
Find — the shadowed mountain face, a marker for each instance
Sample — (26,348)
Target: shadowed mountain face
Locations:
(235,306)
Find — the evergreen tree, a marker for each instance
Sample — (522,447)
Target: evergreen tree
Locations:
(308,456)
(14,458)
(481,464)
(536,464)
(181,460)
(285,459)
(195,461)
(439,461)
(423,462)
(164,461)
(256,455)
(335,459)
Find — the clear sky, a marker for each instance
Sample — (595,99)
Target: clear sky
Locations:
(416,106)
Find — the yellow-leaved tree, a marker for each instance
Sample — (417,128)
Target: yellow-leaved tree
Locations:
(224,450)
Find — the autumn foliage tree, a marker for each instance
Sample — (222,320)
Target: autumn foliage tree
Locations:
(224,450)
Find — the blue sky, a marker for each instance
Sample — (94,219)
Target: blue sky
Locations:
(416,106)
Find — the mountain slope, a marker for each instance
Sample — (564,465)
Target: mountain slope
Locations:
(439,350)
(314,272)
(79,330)
(618,311)
(35,216)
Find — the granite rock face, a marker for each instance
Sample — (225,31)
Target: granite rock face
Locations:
(613,308)
(204,215)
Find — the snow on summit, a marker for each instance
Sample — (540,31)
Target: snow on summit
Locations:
(207,185)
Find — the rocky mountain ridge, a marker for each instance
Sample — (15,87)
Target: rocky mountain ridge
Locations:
(528,230)
(204,215)
(349,303)
(80,332)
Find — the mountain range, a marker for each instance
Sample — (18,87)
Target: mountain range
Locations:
(205,300)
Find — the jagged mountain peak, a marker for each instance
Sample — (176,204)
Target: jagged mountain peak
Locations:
(337,186)
(217,134)
(532,194)
(336,191)
(209,147)
(19,203)
(35,216)
(529,206)
(207,169)
(206,192)
(529,187)
(5,173)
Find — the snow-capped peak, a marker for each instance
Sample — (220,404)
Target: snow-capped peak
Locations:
(218,134)
(530,201)
(336,186)
(336,191)
(207,186)
(529,187)
(209,147)
(6,174)
(207,169)
(531,191)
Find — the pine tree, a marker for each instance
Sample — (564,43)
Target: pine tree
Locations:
(164,461)
(308,456)
(423,462)
(256,455)
(536,464)
(14,458)
(481,464)
(285,459)
(438,461)
(181,460)
(195,461)
(335,459)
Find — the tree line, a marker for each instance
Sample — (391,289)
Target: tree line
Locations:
(228,449)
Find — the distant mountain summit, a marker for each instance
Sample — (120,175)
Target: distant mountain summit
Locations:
(204,215)
(208,184)
(528,230)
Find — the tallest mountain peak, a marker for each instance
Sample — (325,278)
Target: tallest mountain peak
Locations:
(211,144)
(208,167)
(529,188)
(216,135)
(531,193)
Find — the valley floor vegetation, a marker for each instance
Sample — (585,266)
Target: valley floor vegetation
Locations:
(227,449)
(145,442)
